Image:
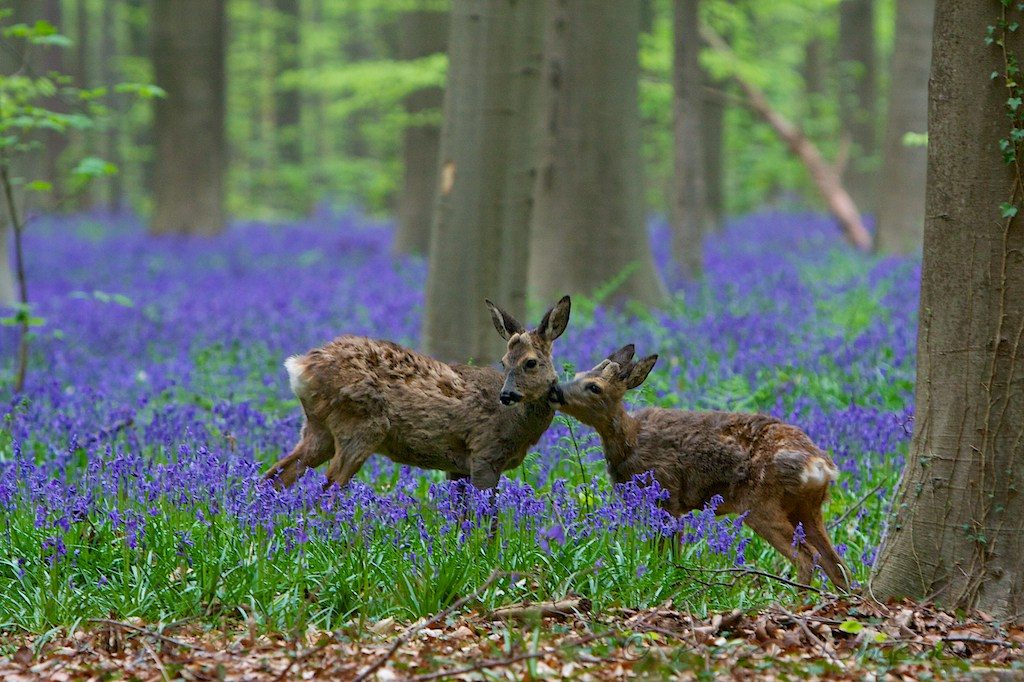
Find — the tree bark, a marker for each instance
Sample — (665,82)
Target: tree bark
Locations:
(901,210)
(588,226)
(140,46)
(112,76)
(421,33)
(957,528)
(713,141)
(191,149)
(857,96)
(468,247)
(814,74)
(689,211)
(287,100)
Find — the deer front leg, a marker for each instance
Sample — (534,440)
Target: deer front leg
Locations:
(484,473)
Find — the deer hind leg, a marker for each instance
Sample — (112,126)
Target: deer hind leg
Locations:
(773,525)
(315,447)
(352,447)
(817,536)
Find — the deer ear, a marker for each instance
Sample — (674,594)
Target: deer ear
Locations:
(640,370)
(503,322)
(623,355)
(555,320)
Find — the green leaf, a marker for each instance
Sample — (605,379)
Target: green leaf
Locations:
(1008,210)
(39,186)
(851,626)
(1014,103)
(93,167)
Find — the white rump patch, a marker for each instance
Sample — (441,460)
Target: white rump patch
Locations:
(295,368)
(818,473)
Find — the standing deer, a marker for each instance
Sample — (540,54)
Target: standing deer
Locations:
(758,464)
(362,396)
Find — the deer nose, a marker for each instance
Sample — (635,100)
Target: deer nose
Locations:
(555,395)
(509,397)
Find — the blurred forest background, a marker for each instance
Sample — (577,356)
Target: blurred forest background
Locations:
(492,129)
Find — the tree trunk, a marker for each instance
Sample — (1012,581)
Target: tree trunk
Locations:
(421,33)
(689,186)
(191,150)
(901,210)
(588,226)
(140,46)
(467,247)
(111,77)
(713,141)
(287,100)
(814,74)
(526,61)
(957,529)
(857,98)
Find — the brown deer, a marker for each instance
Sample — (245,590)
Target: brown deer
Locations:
(758,464)
(362,396)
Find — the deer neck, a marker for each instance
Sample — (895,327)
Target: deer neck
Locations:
(618,434)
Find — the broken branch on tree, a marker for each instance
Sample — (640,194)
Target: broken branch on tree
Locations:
(826,176)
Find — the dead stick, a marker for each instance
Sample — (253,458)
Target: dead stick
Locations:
(825,175)
(412,631)
(145,631)
(811,637)
(763,574)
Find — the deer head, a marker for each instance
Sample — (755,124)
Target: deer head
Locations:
(595,395)
(529,370)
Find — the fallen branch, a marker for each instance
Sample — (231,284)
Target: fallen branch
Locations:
(825,175)
(145,631)
(763,574)
(412,631)
(552,609)
(813,638)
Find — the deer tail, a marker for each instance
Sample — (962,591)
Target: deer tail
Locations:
(296,366)
(803,472)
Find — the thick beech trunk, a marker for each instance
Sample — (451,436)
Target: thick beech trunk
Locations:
(287,99)
(421,33)
(957,529)
(589,226)
(470,254)
(689,196)
(857,97)
(191,149)
(901,210)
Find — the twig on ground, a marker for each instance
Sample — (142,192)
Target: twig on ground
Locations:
(811,637)
(552,609)
(967,639)
(156,659)
(145,631)
(753,571)
(834,523)
(412,631)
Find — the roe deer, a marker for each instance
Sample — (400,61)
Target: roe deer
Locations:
(758,464)
(362,396)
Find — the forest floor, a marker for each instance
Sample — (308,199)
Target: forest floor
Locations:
(838,638)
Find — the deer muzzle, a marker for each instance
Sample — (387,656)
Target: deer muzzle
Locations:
(509,394)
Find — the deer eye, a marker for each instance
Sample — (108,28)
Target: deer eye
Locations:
(530,364)
(594,388)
